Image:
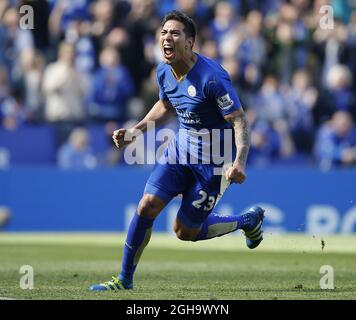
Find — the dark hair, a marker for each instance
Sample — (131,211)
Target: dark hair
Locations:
(190,28)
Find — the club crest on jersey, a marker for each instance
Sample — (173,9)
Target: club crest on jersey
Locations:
(225,102)
(192,91)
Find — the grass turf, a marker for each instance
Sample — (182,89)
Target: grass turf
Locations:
(283,267)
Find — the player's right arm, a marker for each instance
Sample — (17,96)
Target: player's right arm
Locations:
(158,114)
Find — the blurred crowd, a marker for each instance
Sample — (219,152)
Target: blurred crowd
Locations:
(93,61)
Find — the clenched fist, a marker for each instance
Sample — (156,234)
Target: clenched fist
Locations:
(236,174)
(118,137)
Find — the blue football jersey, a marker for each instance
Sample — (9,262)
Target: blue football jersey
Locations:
(201,100)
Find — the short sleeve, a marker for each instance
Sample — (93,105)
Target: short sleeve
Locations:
(221,91)
(159,78)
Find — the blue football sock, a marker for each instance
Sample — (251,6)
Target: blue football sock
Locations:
(217,225)
(138,236)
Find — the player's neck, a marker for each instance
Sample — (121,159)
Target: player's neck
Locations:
(181,68)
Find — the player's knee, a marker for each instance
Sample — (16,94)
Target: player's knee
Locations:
(149,207)
(185,235)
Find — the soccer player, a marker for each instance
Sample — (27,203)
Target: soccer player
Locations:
(201,93)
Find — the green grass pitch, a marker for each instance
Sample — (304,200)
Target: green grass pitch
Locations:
(283,267)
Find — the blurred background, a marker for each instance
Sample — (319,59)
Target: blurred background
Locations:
(87,67)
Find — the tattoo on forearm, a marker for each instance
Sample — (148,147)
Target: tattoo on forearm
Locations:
(242,138)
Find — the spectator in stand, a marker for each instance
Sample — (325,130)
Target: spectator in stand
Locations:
(4,84)
(300,99)
(269,104)
(231,65)
(252,49)
(249,84)
(338,94)
(342,9)
(64,89)
(12,113)
(63,14)
(224,20)
(196,9)
(268,143)
(228,45)
(111,89)
(288,37)
(3,6)
(78,34)
(335,145)
(67,11)
(134,31)
(351,45)
(265,145)
(13,39)
(266,7)
(102,22)
(109,27)
(283,55)
(149,91)
(40,30)
(331,48)
(27,76)
(269,107)
(210,49)
(76,152)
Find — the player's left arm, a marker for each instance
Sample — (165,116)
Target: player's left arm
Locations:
(222,91)
(237,173)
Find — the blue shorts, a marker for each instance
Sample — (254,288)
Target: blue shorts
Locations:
(200,187)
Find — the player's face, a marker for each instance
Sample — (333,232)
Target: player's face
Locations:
(173,41)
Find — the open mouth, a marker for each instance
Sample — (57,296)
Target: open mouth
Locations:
(168,52)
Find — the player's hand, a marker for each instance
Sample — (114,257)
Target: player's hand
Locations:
(118,137)
(235,174)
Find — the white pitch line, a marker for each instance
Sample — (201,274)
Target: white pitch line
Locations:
(7,298)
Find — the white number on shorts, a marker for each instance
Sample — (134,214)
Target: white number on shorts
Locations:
(211,203)
(198,203)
